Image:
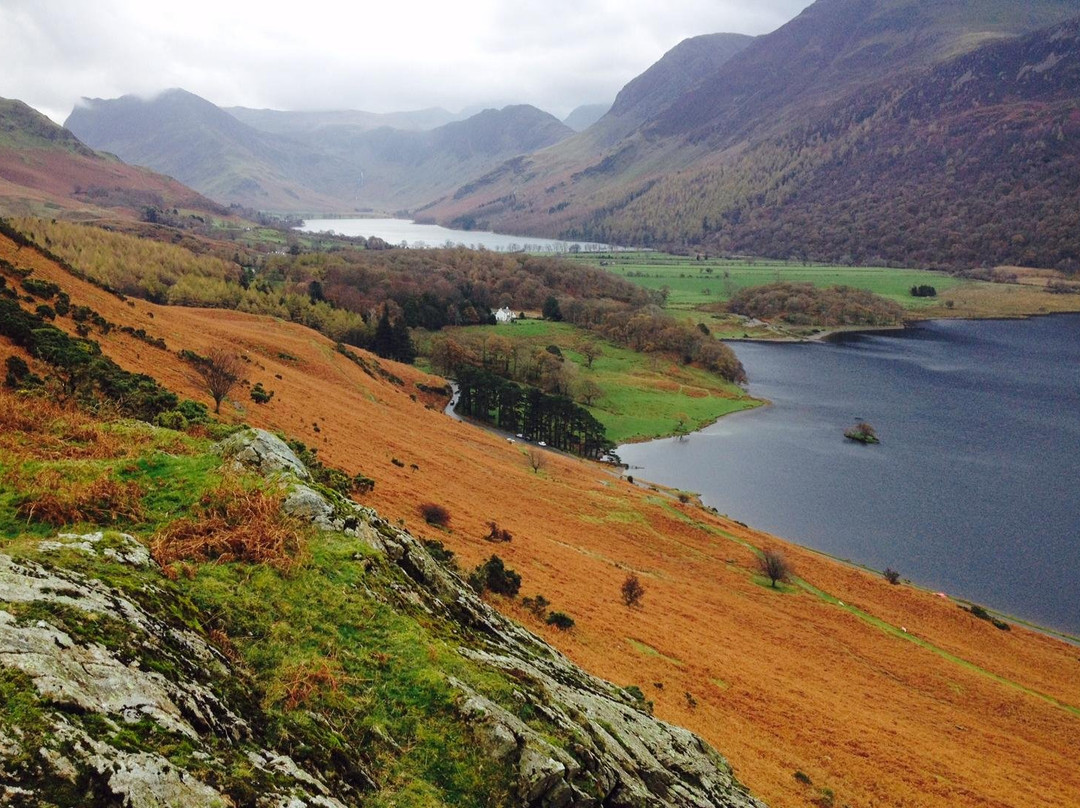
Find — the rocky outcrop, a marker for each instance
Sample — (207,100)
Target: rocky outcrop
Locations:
(622,757)
(120,699)
(117,667)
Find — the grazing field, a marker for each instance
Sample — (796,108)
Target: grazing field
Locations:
(643,396)
(693,282)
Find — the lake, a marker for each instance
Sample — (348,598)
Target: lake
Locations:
(973,489)
(404,232)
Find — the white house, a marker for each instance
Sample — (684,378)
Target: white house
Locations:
(504,315)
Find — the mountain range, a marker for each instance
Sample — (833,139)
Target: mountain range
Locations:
(863,130)
(289,161)
(871,131)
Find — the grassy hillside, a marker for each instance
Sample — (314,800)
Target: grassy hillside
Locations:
(878,693)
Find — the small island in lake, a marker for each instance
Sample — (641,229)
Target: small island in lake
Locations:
(862,432)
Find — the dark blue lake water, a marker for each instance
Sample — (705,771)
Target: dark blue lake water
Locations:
(974,488)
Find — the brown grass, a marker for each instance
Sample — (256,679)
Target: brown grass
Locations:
(782,681)
(54,500)
(233,523)
(302,682)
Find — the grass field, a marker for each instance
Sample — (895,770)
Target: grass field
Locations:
(692,283)
(644,397)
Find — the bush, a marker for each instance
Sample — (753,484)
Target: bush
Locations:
(497,534)
(194,411)
(260,395)
(440,553)
(891,575)
(560,620)
(173,419)
(632,590)
(537,605)
(435,514)
(19,375)
(494,576)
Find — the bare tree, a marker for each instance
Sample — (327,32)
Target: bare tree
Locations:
(537,460)
(590,350)
(774,566)
(220,372)
(588,391)
(632,590)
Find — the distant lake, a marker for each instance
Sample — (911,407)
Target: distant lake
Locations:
(974,488)
(411,234)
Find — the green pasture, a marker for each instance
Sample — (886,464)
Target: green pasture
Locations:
(692,283)
(644,396)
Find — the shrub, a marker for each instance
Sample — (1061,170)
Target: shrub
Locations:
(194,411)
(494,576)
(497,534)
(537,605)
(18,374)
(46,290)
(435,514)
(638,696)
(632,590)
(560,620)
(440,553)
(891,575)
(261,395)
(173,419)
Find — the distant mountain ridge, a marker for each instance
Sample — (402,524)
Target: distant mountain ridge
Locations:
(762,152)
(44,167)
(303,162)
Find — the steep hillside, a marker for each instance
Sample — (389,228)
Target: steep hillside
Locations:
(873,693)
(314,162)
(44,167)
(389,678)
(678,71)
(748,138)
(976,162)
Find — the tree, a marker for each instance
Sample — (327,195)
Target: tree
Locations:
(537,460)
(774,566)
(588,391)
(551,310)
(632,590)
(220,371)
(590,350)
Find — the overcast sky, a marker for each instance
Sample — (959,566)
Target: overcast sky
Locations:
(381,57)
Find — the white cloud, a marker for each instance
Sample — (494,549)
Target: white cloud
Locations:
(384,56)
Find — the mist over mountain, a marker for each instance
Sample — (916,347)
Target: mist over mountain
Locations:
(300,162)
(581,118)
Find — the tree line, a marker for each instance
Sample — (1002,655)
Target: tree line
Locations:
(554,419)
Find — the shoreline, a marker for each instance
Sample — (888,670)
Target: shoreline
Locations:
(1067,635)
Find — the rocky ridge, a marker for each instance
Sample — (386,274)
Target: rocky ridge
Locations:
(128,661)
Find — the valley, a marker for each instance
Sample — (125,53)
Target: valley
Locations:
(249,557)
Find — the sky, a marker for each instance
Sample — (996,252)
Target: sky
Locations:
(380,57)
